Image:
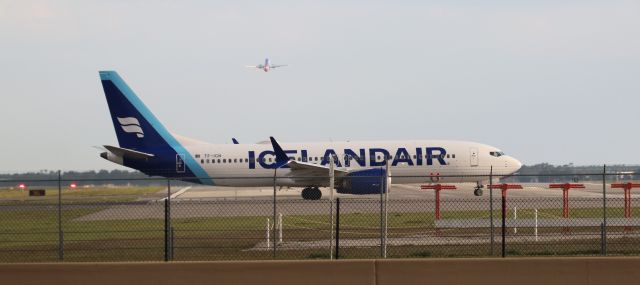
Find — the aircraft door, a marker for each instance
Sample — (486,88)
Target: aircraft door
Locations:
(180,168)
(473,154)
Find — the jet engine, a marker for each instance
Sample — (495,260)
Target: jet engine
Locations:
(362,182)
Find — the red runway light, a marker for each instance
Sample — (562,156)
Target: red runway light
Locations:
(22,186)
(73,185)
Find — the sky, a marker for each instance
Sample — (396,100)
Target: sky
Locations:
(545,81)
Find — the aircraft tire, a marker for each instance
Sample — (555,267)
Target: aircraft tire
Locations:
(306,193)
(316,194)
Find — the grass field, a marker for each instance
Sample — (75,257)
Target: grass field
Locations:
(30,234)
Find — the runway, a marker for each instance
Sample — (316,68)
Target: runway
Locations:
(199,202)
(397,191)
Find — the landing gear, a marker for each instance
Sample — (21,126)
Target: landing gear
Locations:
(311,193)
(478,190)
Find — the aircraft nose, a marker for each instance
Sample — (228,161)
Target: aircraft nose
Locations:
(516,164)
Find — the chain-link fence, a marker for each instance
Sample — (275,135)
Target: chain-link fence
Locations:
(169,220)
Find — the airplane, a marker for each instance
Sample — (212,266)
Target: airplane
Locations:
(266,66)
(146,145)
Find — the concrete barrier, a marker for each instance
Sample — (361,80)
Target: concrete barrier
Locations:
(520,271)
(250,272)
(513,271)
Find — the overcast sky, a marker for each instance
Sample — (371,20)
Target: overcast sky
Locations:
(545,81)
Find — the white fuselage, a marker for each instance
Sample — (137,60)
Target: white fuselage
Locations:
(415,161)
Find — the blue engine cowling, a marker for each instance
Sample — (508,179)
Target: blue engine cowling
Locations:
(369,181)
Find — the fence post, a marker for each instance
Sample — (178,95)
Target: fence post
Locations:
(604,210)
(504,220)
(491,209)
(331,187)
(60,233)
(381,215)
(275,172)
(338,228)
(386,206)
(167,223)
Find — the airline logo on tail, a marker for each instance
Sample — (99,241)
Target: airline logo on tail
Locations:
(131,125)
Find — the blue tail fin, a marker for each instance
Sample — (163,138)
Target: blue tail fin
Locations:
(138,129)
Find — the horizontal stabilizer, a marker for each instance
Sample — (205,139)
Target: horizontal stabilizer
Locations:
(128,153)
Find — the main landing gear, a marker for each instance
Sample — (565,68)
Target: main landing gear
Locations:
(311,193)
(478,190)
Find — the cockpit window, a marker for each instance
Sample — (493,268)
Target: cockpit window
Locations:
(496,153)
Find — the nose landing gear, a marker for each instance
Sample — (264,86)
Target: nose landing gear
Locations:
(478,190)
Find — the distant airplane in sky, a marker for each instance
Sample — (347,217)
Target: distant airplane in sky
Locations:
(266,66)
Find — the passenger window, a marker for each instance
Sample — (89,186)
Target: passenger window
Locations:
(453,155)
(207,160)
(224,160)
(202,161)
(235,160)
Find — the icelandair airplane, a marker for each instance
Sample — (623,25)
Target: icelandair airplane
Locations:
(359,167)
(266,66)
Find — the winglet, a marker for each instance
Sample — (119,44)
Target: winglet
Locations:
(235,141)
(281,157)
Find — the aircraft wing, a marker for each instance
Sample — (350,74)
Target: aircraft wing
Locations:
(311,167)
(254,66)
(276,66)
(304,170)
